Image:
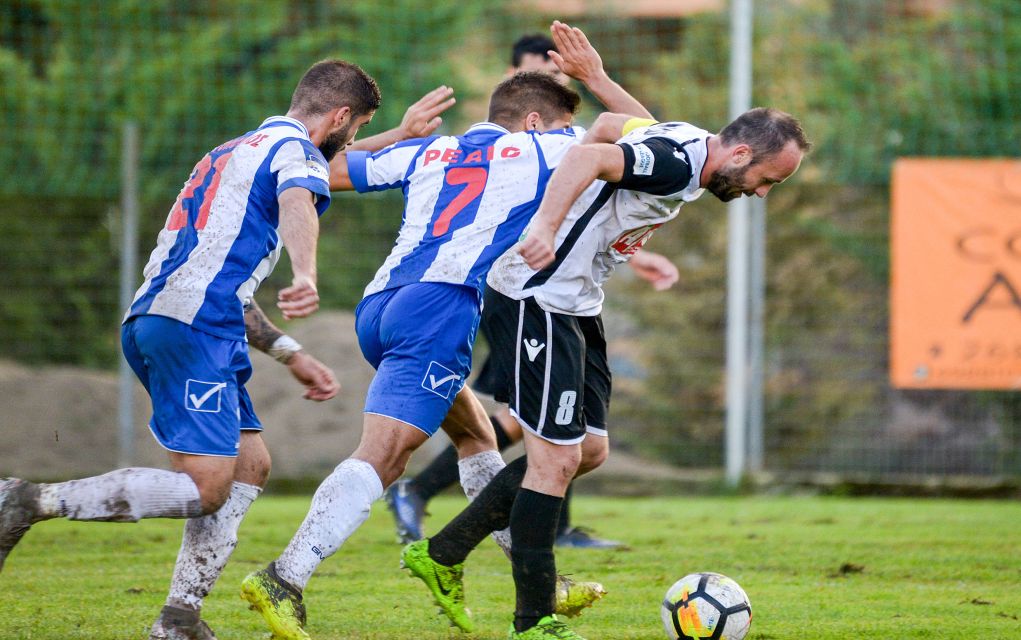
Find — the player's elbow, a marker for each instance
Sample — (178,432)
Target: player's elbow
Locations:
(592,161)
(608,127)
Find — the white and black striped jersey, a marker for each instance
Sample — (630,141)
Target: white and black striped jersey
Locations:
(467,198)
(610,221)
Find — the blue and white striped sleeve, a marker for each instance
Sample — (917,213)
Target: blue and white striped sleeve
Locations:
(298,163)
(385,169)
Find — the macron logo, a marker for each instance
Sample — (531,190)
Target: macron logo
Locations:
(533,347)
(203,396)
(440,380)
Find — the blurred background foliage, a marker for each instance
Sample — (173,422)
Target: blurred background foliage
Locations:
(872,80)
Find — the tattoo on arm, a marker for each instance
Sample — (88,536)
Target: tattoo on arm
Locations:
(261,332)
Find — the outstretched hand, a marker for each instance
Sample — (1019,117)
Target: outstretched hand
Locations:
(423,117)
(655,269)
(299,300)
(318,379)
(575,55)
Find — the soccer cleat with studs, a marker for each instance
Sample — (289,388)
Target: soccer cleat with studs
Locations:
(19,510)
(573,597)
(445,583)
(582,538)
(279,603)
(176,623)
(408,510)
(548,628)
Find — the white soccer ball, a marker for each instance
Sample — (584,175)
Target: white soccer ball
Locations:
(706,605)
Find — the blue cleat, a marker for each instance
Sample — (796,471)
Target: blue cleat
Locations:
(581,538)
(408,510)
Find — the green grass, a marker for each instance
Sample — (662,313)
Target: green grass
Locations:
(929,569)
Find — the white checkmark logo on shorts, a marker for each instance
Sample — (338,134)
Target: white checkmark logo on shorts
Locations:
(442,385)
(433,382)
(199,399)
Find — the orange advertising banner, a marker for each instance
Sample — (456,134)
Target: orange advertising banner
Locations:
(955,290)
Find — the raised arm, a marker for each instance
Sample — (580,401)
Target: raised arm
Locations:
(420,120)
(579,59)
(318,379)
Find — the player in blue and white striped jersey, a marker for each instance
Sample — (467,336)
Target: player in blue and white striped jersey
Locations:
(468,199)
(185,337)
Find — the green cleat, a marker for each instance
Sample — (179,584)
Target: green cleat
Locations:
(548,628)
(445,583)
(573,597)
(278,602)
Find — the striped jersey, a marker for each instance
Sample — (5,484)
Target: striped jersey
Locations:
(610,222)
(220,240)
(467,199)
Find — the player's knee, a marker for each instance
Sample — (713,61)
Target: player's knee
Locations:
(568,460)
(212,494)
(254,470)
(593,455)
(388,465)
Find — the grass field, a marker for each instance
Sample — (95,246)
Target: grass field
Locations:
(814,568)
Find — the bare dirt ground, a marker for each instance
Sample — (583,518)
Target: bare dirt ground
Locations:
(61,422)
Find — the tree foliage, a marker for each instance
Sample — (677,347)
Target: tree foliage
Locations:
(191,74)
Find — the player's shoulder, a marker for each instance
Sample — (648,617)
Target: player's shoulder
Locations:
(678,132)
(567,134)
(557,139)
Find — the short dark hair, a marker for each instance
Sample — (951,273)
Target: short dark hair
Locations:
(329,84)
(767,131)
(534,43)
(529,91)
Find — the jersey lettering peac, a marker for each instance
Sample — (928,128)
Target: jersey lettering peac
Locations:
(610,222)
(220,240)
(467,199)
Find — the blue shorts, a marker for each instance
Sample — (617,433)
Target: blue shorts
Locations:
(419,338)
(196,383)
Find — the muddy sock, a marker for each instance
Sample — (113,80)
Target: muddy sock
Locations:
(489,512)
(124,495)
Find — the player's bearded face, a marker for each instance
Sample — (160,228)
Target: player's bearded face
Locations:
(335,142)
(727,183)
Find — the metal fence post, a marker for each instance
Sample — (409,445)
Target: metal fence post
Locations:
(129,268)
(737,256)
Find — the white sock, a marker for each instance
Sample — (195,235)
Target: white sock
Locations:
(340,505)
(124,495)
(207,544)
(476,472)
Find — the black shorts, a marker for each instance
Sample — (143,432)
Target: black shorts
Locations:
(550,368)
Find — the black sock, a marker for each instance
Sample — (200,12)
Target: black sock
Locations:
(489,512)
(442,471)
(439,474)
(564,524)
(533,530)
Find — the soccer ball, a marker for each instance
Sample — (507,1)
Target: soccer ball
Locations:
(706,605)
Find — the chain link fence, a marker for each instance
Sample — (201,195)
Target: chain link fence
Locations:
(872,80)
